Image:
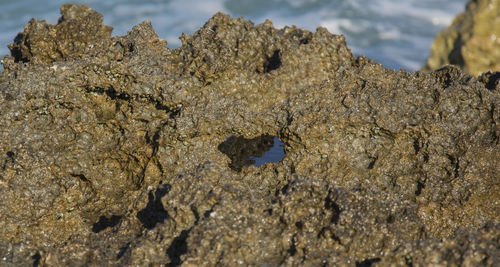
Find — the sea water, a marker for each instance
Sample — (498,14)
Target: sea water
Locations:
(395,33)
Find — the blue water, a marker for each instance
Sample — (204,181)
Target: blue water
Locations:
(275,154)
(396,33)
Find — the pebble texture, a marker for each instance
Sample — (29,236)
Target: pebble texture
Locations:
(110,151)
(472,41)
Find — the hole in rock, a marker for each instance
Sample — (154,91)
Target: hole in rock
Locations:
(492,80)
(420,186)
(293,248)
(367,263)
(274,62)
(123,250)
(305,40)
(257,151)
(390,219)
(331,205)
(36,259)
(154,212)
(177,248)
(105,222)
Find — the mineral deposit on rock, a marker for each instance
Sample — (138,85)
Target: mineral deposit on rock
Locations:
(118,151)
(472,42)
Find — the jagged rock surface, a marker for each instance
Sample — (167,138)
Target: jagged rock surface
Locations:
(109,151)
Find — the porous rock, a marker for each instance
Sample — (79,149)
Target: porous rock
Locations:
(471,42)
(110,151)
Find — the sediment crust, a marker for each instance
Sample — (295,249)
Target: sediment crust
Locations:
(110,151)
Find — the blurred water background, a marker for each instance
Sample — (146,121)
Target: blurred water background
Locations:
(395,33)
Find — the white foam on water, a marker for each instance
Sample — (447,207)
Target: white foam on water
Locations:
(419,9)
(344,25)
(169,19)
(389,34)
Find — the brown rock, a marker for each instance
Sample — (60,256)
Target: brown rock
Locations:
(78,33)
(113,156)
(472,41)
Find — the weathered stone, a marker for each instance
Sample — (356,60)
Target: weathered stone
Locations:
(78,33)
(472,41)
(112,156)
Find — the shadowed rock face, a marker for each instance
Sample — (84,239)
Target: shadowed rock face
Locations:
(109,151)
(472,41)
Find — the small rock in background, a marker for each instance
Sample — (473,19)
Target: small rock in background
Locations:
(472,42)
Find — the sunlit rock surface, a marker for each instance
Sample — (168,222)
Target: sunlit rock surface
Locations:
(472,42)
(111,151)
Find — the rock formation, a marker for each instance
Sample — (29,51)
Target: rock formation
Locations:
(110,151)
(472,42)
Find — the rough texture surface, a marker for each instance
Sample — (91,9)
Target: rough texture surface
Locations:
(472,41)
(110,151)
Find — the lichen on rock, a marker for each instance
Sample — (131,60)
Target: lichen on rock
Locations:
(110,151)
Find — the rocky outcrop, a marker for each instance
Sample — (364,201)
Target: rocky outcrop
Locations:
(78,33)
(115,151)
(472,41)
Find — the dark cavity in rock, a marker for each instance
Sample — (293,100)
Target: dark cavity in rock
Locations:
(154,212)
(367,263)
(105,222)
(123,250)
(36,259)
(273,63)
(491,80)
(258,151)
(178,248)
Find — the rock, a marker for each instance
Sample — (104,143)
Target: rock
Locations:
(78,33)
(112,153)
(471,42)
